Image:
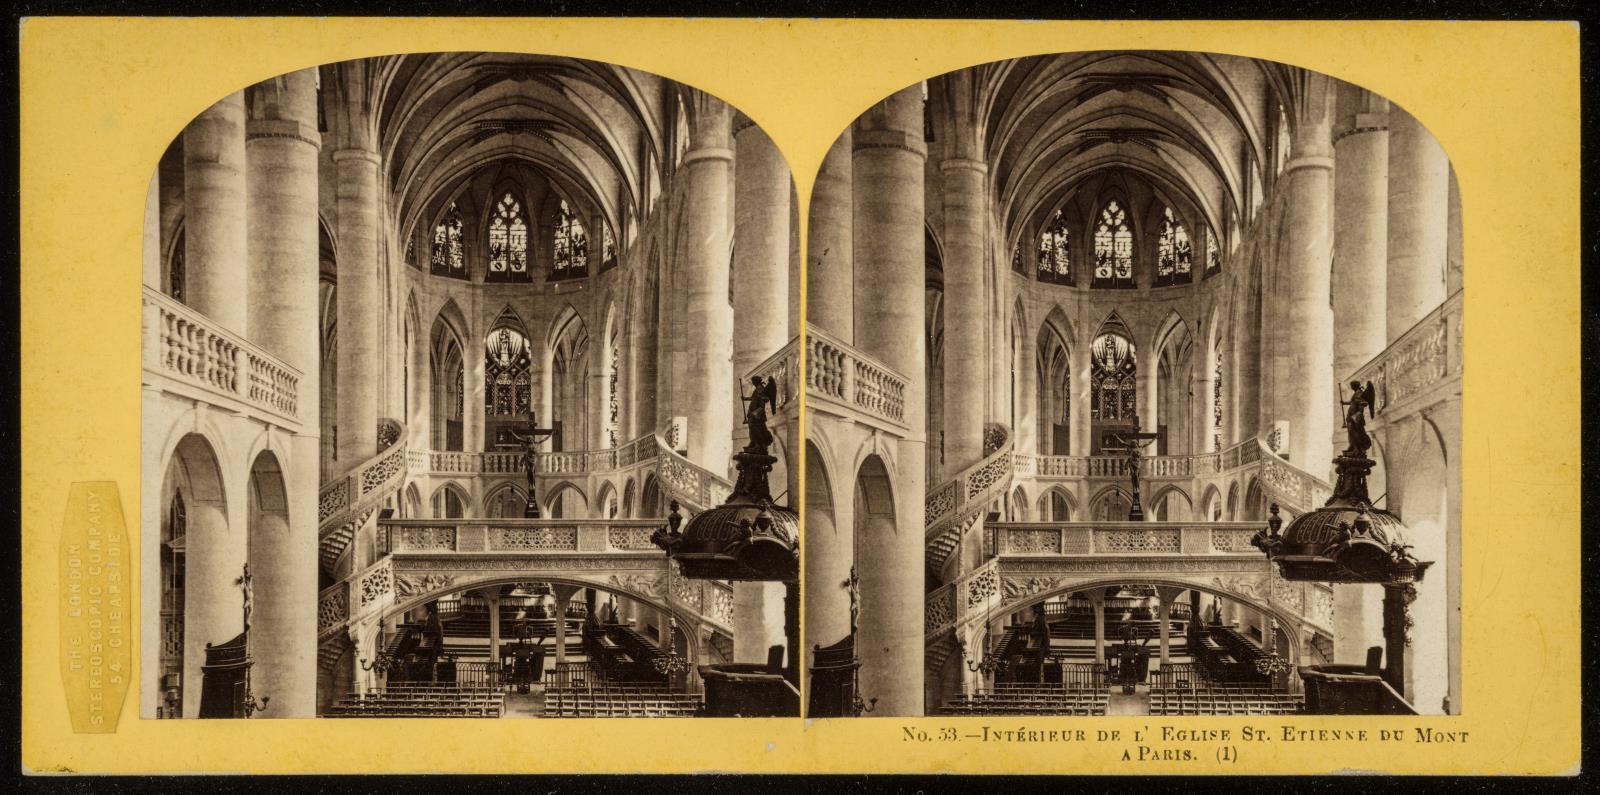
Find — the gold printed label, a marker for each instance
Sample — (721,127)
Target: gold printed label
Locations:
(96,607)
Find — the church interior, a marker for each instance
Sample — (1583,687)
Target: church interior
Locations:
(438,347)
(1133,387)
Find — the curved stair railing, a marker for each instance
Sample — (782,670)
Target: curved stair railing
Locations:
(344,504)
(953,505)
(693,486)
(1291,487)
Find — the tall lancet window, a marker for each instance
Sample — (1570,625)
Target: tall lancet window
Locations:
(1055,260)
(506,367)
(1174,254)
(571,245)
(613,396)
(1213,254)
(1113,373)
(1216,405)
(448,259)
(608,248)
(1016,258)
(1113,248)
(508,242)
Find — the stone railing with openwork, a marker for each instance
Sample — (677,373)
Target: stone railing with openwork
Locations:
(693,486)
(849,382)
(953,505)
(448,463)
(204,360)
(961,600)
(1124,538)
(515,535)
(1153,467)
(1426,356)
(345,503)
(1289,486)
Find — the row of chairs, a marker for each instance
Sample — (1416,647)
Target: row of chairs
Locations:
(422,702)
(1030,700)
(1216,702)
(562,703)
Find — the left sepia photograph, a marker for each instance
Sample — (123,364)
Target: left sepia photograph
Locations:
(469,390)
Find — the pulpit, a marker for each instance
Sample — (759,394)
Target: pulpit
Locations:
(225,682)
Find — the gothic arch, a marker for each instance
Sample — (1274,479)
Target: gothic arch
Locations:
(1110,504)
(607,493)
(1211,505)
(1163,499)
(1053,500)
(440,505)
(628,499)
(556,499)
(505,501)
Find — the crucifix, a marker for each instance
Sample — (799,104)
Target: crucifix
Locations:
(1132,443)
(531,437)
(246,585)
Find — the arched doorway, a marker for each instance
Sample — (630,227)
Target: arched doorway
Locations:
(200,558)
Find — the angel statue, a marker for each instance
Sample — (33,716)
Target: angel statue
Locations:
(1357,409)
(763,395)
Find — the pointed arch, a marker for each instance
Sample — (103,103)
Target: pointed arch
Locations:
(1110,504)
(450,501)
(505,501)
(606,504)
(1112,234)
(565,501)
(1057,504)
(1171,504)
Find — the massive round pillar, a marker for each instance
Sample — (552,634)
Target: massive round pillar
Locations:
(709,391)
(830,281)
(281,158)
(887,250)
(214,224)
(1306,397)
(760,310)
(1419,207)
(357,300)
(1360,227)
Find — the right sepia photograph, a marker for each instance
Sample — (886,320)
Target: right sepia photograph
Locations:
(1133,388)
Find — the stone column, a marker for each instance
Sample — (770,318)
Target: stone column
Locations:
(281,160)
(1419,207)
(1098,600)
(214,225)
(491,596)
(830,280)
(1165,597)
(966,317)
(564,595)
(1306,393)
(887,247)
(357,305)
(709,399)
(760,309)
(1078,409)
(213,604)
(1360,227)
(152,233)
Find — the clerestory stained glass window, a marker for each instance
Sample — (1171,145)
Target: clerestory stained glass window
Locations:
(1113,373)
(447,258)
(1174,254)
(1213,254)
(1016,258)
(571,245)
(1055,259)
(1113,248)
(508,241)
(608,248)
(506,373)
(1216,406)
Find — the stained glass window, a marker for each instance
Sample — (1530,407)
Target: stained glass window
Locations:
(1174,254)
(1113,372)
(411,251)
(1213,255)
(1016,258)
(508,241)
(175,271)
(608,248)
(1216,406)
(1113,248)
(447,258)
(1055,261)
(571,248)
(507,362)
(614,404)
